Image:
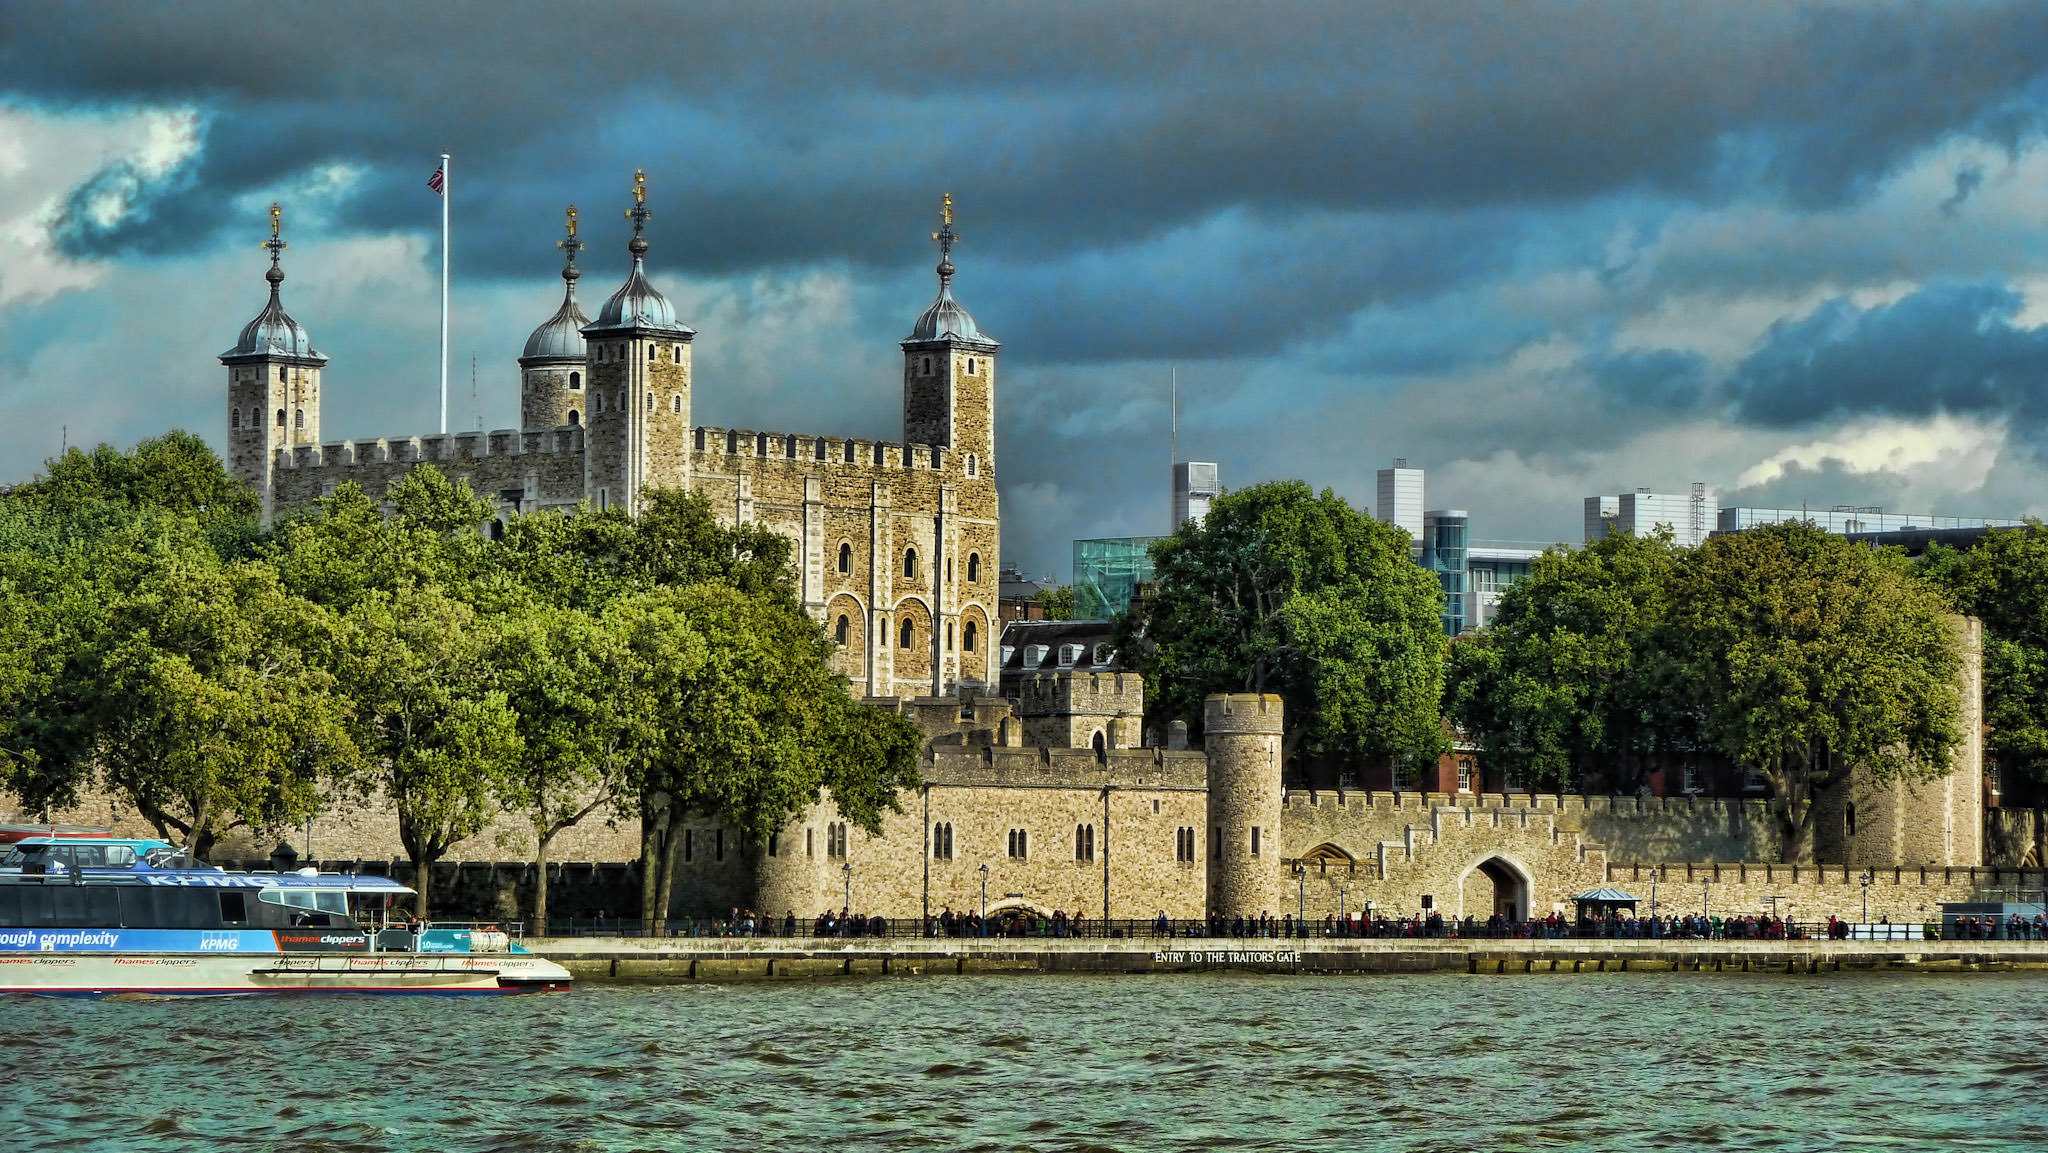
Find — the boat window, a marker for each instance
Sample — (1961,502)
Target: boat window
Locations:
(323,900)
(233,909)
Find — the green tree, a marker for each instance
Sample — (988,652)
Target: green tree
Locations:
(1566,680)
(1057,604)
(580,690)
(437,734)
(175,473)
(184,683)
(2003,581)
(676,541)
(1804,655)
(759,731)
(1285,591)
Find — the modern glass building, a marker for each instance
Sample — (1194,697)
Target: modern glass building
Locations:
(1443,553)
(1107,572)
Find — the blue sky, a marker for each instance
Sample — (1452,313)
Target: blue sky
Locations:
(1543,250)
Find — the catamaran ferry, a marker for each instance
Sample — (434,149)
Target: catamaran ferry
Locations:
(75,924)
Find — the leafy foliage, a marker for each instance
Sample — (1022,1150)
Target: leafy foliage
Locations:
(1565,682)
(1286,591)
(2003,581)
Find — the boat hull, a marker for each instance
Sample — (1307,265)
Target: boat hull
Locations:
(85,974)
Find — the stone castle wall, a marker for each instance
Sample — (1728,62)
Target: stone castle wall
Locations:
(544,468)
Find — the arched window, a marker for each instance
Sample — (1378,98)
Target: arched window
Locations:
(732,440)
(844,630)
(970,464)
(280,374)
(924,367)
(299,417)
(1101,745)
(910,562)
(761,444)
(970,366)
(973,567)
(1084,842)
(598,397)
(967,636)
(675,403)
(575,418)
(907,635)
(575,382)
(845,557)
(650,352)
(234,418)
(280,418)
(677,352)
(789,447)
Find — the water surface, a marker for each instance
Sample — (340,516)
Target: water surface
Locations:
(1430,1062)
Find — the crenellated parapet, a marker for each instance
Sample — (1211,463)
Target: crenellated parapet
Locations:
(740,445)
(442,449)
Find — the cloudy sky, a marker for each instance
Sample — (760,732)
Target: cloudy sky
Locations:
(1543,250)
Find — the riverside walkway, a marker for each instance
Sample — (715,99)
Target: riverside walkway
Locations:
(729,959)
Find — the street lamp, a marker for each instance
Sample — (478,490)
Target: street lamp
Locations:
(1300,896)
(984,899)
(847,869)
(1867,879)
(1705,913)
(1653,893)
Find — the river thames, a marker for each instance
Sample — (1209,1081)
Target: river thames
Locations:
(1216,1061)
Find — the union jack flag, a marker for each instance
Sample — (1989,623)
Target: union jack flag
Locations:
(437,179)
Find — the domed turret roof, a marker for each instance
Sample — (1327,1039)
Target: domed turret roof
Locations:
(946,319)
(561,338)
(636,305)
(274,333)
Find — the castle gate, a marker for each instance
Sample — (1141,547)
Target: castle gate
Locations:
(1496,885)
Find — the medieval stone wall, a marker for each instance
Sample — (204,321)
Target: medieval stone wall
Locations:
(545,468)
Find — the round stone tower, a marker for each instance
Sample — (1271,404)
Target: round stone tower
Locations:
(1243,742)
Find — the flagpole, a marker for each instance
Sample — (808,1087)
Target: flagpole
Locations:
(445,191)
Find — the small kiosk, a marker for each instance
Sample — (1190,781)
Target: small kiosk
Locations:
(1598,907)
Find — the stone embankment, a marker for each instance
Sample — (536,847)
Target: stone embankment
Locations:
(708,959)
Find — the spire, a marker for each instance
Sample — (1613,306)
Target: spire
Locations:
(570,246)
(276,245)
(946,319)
(945,236)
(274,332)
(639,215)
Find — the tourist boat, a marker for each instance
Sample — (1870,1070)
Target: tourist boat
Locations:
(164,926)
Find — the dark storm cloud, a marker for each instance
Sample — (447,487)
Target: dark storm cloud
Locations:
(1945,348)
(795,132)
(1669,380)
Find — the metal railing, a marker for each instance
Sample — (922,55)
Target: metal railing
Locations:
(1747,928)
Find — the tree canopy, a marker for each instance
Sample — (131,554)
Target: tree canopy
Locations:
(1287,591)
(156,642)
(2003,581)
(1565,681)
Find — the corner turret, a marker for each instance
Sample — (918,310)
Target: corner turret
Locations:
(273,383)
(551,368)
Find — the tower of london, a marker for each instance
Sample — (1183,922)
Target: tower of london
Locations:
(895,544)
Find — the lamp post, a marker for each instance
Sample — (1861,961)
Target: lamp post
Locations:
(1653,893)
(847,870)
(1704,912)
(984,900)
(1867,879)
(1300,896)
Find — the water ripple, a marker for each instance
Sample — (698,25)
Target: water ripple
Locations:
(1623,1062)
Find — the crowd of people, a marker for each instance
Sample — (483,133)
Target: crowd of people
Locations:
(1615,924)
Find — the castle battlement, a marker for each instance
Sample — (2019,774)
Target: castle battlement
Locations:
(827,450)
(438,449)
(1561,804)
(1067,768)
(1089,694)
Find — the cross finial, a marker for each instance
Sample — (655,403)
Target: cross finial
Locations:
(571,246)
(945,236)
(639,214)
(276,242)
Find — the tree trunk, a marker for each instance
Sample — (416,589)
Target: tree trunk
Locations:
(665,892)
(542,839)
(423,884)
(654,818)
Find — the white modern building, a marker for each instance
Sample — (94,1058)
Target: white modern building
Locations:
(1400,498)
(1844,518)
(1195,484)
(1689,516)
